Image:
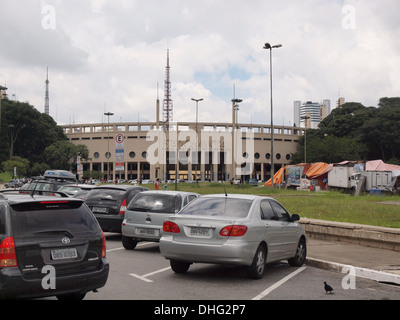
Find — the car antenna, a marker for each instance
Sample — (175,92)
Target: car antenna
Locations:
(33,191)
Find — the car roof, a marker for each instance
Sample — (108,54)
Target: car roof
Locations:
(82,186)
(171,192)
(119,187)
(23,198)
(236,196)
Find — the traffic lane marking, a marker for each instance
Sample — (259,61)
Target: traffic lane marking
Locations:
(144,278)
(278,284)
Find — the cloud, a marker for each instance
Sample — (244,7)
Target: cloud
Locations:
(110,55)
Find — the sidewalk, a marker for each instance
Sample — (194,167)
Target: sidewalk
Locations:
(372,263)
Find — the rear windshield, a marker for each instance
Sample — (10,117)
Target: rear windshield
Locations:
(226,207)
(52,216)
(160,203)
(106,194)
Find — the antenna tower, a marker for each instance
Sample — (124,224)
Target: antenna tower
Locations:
(47,99)
(167,105)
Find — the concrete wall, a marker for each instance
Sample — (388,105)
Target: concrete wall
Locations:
(378,237)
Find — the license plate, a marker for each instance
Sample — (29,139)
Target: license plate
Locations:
(99,210)
(61,254)
(147,232)
(200,232)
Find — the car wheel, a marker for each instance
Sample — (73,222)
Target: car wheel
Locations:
(256,270)
(71,296)
(301,254)
(179,266)
(129,243)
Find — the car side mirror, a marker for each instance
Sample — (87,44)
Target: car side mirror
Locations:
(295,217)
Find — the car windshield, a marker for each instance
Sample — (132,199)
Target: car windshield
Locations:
(161,203)
(226,207)
(41,186)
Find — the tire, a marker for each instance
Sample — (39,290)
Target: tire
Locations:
(256,270)
(179,266)
(301,253)
(129,243)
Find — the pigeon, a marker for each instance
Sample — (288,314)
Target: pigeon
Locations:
(328,288)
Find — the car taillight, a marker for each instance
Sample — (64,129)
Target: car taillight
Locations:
(103,248)
(171,227)
(123,207)
(233,231)
(8,257)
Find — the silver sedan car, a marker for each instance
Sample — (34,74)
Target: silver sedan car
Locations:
(238,230)
(146,213)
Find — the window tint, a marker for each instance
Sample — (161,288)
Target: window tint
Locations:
(36,218)
(161,203)
(266,211)
(282,214)
(2,220)
(237,208)
(105,194)
(132,194)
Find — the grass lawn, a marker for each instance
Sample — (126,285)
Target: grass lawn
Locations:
(331,206)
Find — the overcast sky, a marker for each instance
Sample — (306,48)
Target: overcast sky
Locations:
(109,55)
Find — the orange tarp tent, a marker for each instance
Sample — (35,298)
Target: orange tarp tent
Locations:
(277,177)
(317,169)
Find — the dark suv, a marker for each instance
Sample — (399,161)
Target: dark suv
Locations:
(52,180)
(49,246)
(109,202)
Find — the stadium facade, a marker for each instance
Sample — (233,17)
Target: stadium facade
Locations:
(187,150)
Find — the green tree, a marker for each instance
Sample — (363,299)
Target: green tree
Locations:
(39,169)
(62,155)
(355,132)
(19,163)
(25,132)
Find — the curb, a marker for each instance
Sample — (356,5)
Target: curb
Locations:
(375,275)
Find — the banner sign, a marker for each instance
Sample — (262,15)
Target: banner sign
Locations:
(119,152)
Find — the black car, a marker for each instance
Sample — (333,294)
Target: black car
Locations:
(49,246)
(52,180)
(109,202)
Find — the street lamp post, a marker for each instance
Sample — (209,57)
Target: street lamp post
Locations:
(267,46)
(235,109)
(108,114)
(1,96)
(306,117)
(197,136)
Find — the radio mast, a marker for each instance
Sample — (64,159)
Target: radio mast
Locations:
(167,105)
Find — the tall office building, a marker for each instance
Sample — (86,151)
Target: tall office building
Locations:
(310,114)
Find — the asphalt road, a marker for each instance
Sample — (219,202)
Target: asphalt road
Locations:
(143,274)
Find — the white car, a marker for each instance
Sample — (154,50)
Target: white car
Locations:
(146,213)
(237,230)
